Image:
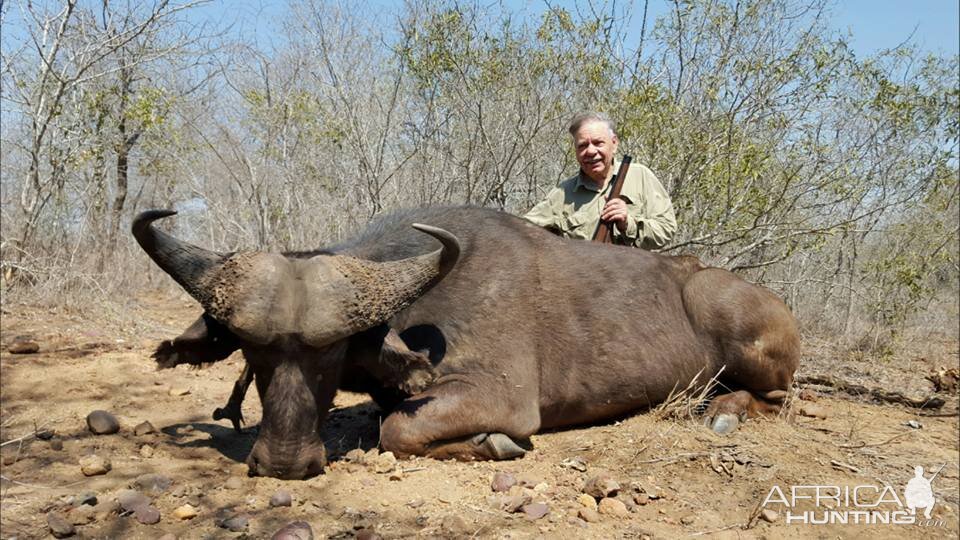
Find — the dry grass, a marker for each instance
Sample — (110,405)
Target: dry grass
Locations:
(689,403)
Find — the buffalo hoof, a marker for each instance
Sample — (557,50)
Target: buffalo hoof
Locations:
(723,423)
(499,446)
(232,413)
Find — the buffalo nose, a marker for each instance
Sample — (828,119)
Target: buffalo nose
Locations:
(308,463)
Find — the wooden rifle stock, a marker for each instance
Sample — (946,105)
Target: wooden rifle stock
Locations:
(604,232)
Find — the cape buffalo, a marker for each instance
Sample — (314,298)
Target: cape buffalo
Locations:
(510,328)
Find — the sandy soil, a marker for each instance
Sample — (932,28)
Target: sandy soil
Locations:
(705,485)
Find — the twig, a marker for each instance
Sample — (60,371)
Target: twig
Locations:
(19,483)
(932,402)
(413,469)
(25,438)
(688,455)
(841,465)
(727,528)
(864,444)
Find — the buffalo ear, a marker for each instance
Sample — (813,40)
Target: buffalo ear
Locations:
(204,342)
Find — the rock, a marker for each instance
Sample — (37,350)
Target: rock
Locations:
(601,486)
(612,507)
(59,526)
(542,487)
(130,500)
(913,424)
(144,428)
(146,451)
(807,395)
(105,509)
(514,503)
(370,455)
(687,520)
(94,465)
(236,523)
(384,463)
(298,530)
(81,515)
(814,410)
(770,516)
(589,515)
(102,423)
(152,483)
(179,391)
(575,463)
(354,456)
(536,510)
(234,482)
(184,512)
(147,514)
(502,481)
(587,501)
(396,475)
(24,347)
(367,534)
(45,434)
(281,498)
(87,498)
(641,498)
(56,444)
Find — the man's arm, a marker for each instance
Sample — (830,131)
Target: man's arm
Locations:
(548,212)
(651,223)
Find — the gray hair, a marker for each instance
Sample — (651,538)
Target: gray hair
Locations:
(591,116)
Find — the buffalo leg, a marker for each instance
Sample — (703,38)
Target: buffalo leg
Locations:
(232,409)
(457,419)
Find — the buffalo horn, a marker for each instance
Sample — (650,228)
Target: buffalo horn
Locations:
(187,264)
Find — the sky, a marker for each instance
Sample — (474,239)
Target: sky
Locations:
(874,25)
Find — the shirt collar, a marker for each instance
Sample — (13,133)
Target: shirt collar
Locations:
(586,183)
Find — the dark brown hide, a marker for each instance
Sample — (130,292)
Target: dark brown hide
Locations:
(530,331)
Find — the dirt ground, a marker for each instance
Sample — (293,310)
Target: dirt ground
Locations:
(676,478)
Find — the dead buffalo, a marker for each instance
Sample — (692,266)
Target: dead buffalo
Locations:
(487,327)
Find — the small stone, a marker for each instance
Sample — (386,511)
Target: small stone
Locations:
(396,476)
(56,443)
(179,391)
(542,487)
(146,451)
(87,498)
(514,503)
(770,516)
(298,530)
(536,511)
(575,463)
(94,465)
(687,520)
(612,507)
(601,486)
(502,481)
(147,514)
(354,456)
(234,482)
(589,515)
(144,428)
(384,463)
(102,423)
(281,498)
(641,498)
(105,509)
(59,526)
(81,515)
(236,523)
(913,424)
(367,534)
(587,501)
(185,512)
(807,395)
(370,455)
(130,500)
(45,434)
(24,347)
(814,410)
(152,483)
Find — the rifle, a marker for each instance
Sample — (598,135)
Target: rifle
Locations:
(604,232)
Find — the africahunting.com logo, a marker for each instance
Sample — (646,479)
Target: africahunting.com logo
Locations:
(858,505)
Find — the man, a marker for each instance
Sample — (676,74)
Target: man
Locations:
(643,214)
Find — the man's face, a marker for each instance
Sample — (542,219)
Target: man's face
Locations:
(595,145)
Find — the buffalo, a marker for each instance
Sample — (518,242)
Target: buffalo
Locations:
(475,329)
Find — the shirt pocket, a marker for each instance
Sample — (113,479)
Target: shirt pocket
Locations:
(577,219)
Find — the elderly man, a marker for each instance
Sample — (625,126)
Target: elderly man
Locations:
(643,214)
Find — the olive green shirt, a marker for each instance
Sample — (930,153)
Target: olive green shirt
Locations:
(572,209)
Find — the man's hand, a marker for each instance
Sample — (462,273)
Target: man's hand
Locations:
(615,211)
